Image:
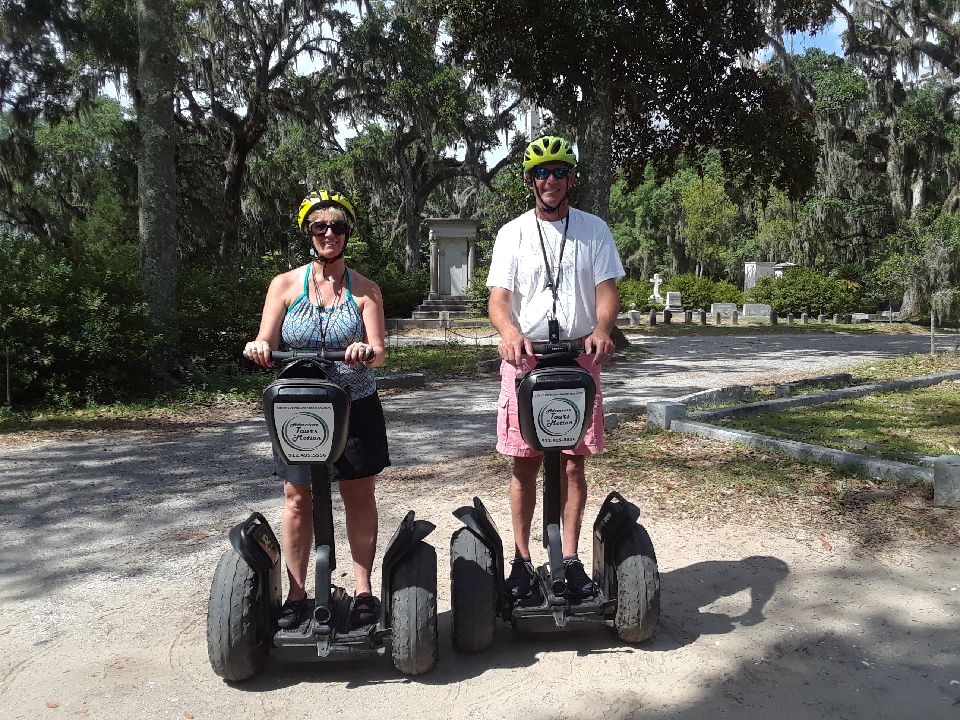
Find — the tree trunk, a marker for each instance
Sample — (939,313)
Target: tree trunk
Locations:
(594,166)
(157,177)
(413,219)
(235,166)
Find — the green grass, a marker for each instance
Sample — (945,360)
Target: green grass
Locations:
(763,327)
(718,483)
(894,425)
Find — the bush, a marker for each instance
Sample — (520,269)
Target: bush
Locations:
(633,294)
(803,290)
(701,292)
(76,328)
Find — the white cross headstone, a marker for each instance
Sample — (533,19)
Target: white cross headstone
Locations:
(657,282)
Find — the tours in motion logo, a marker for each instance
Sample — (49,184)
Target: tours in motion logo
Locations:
(305,432)
(559,417)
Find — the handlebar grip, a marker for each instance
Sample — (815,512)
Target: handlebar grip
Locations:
(332,355)
(547,348)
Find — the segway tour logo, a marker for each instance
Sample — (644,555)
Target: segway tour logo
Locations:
(305,431)
(559,417)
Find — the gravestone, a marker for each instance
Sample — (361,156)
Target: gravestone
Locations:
(687,317)
(667,316)
(821,318)
(656,296)
(789,318)
(804,318)
(653,316)
(703,317)
(716,318)
(773,317)
(634,316)
(734,318)
(724,309)
(860,317)
(756,310)
(673,301)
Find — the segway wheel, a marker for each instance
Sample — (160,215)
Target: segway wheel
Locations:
(413,611)
(638,587)
(238,623)
(473,590)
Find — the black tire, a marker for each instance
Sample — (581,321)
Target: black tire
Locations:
(473,592)
(638,587)
(413,611)
(238,623)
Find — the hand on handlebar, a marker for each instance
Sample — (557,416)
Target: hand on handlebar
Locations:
(259,352)
(358,353)
(598,343)
(513,346)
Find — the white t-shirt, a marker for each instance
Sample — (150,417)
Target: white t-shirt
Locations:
(589,257)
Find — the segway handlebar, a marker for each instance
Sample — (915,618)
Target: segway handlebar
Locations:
(330,355)
(574,347)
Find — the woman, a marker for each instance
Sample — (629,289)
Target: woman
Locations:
(324,305)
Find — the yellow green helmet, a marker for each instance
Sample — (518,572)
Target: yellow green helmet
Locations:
(323,198)
(549,148)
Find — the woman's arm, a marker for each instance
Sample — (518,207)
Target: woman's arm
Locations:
(370,301)
(271,322)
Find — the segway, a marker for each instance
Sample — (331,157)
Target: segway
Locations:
(555,404)
(307,417)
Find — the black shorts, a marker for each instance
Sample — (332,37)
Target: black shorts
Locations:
(365,453)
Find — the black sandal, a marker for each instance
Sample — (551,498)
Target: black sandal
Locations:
(292,614)
(364,610)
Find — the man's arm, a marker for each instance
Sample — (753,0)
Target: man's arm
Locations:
(513,344)
(608,305)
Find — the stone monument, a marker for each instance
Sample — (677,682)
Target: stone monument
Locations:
(655,296)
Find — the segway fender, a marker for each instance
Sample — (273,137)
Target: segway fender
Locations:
(408,534)
(479,522)
(615,518)
(254,541)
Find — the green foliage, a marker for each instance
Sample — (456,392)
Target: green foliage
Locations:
(402,291)
(76,329)
(709,217)
(633,294)
(701,292)
(803,290)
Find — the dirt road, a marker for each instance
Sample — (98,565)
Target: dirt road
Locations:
(109,543)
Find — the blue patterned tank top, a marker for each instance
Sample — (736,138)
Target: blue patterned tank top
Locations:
(307,327)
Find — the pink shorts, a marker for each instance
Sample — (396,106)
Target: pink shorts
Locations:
(509,440)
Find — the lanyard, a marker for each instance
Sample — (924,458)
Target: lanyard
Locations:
(554,286)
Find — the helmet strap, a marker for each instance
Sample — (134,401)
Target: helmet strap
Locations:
(548,209)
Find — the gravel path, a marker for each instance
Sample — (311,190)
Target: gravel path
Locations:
(109,543)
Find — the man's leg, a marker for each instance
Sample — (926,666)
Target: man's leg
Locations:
(360,504)
(296,531)
(573,501)
(523,500)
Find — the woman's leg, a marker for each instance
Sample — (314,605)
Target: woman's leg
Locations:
(296,528)
(360,504)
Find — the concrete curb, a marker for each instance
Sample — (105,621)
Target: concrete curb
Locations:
(401,380)
(875,467)
(824,397)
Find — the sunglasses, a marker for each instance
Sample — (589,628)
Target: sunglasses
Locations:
(542,173)
(319,228)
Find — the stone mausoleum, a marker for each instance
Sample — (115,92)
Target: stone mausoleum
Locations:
(452,254)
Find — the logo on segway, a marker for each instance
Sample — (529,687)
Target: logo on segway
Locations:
(305,431)
(558,417)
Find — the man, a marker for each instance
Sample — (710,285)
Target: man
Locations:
(552,265)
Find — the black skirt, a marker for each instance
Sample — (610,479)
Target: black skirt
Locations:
(365,453)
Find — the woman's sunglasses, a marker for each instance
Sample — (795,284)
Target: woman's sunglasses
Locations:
(319,228)
(542,173)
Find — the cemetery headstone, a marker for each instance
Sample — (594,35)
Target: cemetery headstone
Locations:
(724,309)
(761,310)
(673,301)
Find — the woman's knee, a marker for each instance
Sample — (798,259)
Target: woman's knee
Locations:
(297,499)
(359,493)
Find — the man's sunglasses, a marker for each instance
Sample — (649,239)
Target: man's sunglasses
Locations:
(319,228)
(542,173)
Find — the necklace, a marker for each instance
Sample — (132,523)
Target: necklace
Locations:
(327,312)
